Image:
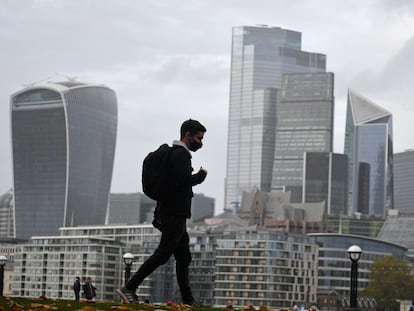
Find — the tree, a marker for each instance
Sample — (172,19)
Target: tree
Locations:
(390,280)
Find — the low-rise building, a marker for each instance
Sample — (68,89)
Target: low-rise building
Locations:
(274,210)
(334,266)
(265,267)
(47,266)
(137,208)
(8,249)
(238,262)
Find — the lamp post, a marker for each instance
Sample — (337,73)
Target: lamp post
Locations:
(354,253)
(128,259)
(3,260)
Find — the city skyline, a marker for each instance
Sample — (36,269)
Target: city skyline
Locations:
(163,59)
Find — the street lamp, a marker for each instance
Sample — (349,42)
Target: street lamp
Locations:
(354,253)
(3,260)
(128,259)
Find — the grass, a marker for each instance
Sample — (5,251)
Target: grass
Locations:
(44,304)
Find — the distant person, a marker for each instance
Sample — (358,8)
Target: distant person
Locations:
(77,288)
(89,289)
(229,304)
(171,215)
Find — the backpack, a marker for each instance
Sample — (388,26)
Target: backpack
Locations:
(155,181)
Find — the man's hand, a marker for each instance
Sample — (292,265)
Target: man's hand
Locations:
(202,173)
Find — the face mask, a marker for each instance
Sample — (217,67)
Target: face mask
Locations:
(195,145)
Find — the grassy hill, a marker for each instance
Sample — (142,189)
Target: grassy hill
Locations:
(44,304)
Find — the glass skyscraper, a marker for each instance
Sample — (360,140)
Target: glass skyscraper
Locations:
(325,179)
(404,182)
(304,124)
(63,143)
(369,147)
(260,56)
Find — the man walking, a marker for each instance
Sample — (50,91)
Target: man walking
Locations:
(172,213)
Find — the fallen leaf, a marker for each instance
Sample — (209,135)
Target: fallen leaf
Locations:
(36,305)
(16,306)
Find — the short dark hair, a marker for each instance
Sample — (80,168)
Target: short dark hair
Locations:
(192,126)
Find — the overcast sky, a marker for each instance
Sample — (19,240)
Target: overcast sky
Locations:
(170,60)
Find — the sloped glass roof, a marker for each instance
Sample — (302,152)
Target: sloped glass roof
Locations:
(365,111)
(398,230)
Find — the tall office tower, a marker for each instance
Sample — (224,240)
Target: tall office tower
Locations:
(368,145)
(6,215)
(260,56)
(63,142)
(404,182)
(305,116)
(325,179)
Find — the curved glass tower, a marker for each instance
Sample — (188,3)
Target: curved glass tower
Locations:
(63,144)
(368,145)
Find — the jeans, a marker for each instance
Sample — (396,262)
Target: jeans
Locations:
(174,240)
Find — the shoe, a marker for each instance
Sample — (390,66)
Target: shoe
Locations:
(192,303)
(128,296)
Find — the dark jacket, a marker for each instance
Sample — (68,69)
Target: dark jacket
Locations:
(77,286)
(182,180)
(89,290)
